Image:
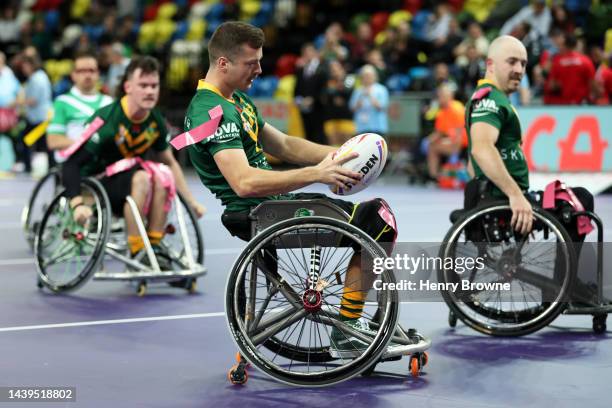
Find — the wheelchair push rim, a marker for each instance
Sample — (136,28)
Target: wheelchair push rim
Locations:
(290,322)
(542,261)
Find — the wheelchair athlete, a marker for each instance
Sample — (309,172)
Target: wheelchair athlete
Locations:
(494,134)
(129,129)
(232,165)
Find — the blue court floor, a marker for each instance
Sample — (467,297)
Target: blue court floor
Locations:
(171,349)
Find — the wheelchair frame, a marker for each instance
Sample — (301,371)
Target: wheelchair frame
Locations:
(601,306)
(280,221)
(191,268)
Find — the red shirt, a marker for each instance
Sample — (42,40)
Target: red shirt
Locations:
(573,72)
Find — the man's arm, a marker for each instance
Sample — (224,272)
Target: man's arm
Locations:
(247,181)
(168,159)
(484,137)
(292,149)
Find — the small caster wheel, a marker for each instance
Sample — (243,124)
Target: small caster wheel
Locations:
(424,359)
(237,375)
(240,359)
(142,288)
(599,323)
(415,369)
(192,286)
(452,319)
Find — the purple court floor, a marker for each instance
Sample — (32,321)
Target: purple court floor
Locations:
(171,349)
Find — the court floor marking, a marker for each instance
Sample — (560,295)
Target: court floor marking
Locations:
(107,322)
(26,261)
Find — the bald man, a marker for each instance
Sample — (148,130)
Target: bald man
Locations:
(494,134)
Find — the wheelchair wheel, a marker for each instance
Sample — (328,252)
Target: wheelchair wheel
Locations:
(173,240)
(38,203)
(539,270)
(282,318)
(67,253)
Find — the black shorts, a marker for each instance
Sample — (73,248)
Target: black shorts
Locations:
(118,187)
(363,215)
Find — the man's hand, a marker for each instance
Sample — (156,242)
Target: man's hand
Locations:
(330,172)
(82,213)
(198,209)
(522,214)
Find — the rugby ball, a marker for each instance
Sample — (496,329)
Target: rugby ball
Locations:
(372,150)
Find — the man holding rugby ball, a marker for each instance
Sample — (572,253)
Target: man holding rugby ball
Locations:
(232,165)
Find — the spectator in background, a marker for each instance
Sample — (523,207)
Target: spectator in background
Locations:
(339,125)
(602,92)
(443,48)
(9,89)
(473,70)
(441,75)
(401,52)
(571,77)
(438,27)
(310,80)
(37,104)
(561,19)
(118,64)
(449,136)
(363,43)
(376,59)
(536,14)
(369,103)
(9,27)
(475,38)
(333,47)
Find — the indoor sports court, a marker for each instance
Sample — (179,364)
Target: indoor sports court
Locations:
(169,348)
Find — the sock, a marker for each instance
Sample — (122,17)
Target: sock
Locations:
(135,243)
(155,237)
(351,305)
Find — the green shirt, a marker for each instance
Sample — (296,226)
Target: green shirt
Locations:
(492,106)
(239,129)
(70,112)
(120,137)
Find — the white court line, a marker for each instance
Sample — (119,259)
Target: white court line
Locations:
(26,261)
(105,322)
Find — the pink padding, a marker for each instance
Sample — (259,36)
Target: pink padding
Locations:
(481,93)
(196,135)
(158,173)
(92,128)
(389,218)
(557,190)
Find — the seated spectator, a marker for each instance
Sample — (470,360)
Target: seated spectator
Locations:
(472,71)
(476,38)
(536,14)
(449,136)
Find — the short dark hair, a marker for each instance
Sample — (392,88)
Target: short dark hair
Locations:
(85,54)
(147,65)
(229,37)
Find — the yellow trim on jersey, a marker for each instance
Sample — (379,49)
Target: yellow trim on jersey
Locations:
(486,81)
(124,106)
(202,84)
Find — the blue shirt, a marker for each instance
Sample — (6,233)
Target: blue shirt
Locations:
(367,117)
(38,87)
(9,87)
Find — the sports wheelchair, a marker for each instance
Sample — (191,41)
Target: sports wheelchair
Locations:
(68,254)
(44,191)
(540,269)
(283,295)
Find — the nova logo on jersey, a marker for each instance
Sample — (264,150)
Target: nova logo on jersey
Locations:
(485,105)
(227,131)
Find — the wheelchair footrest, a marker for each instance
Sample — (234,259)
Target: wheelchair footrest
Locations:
(392,351)
(151,275)
(595,309)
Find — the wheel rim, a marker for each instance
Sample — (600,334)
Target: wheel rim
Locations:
(502,315)
(313,330)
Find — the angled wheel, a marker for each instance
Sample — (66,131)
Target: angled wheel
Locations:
(43,193)
(537,270)
(279,318)
(173,241)
(67,253)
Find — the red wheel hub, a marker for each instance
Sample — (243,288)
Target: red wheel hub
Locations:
(312,300)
